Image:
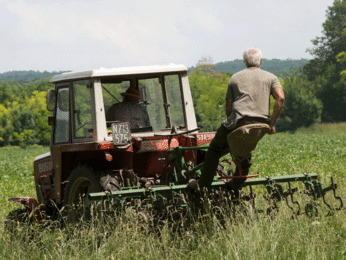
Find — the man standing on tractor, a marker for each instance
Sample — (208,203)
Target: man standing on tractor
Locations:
(247,102)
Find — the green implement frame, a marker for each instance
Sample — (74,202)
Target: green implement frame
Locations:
(166,191)
(161,196)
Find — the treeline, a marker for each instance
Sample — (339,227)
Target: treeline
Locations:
(24,76)
(272,65)
(280,68)
(23,113)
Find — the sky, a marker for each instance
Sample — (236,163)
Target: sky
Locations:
(88,34)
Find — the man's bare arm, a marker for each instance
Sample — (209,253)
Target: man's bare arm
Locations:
(279,96)
(229,106)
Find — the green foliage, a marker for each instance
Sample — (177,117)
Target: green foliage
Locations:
(333,40)
(288,72)
(208,93)
(24,138)
(302,107)
(23,113)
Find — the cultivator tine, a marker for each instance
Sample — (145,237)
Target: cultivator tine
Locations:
(337,197)
(275,190)
(289,193)
(274,195)
(332,187)
(310,207)
(314,189)
(252,200)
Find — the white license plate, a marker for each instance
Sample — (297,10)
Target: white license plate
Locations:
(121,133)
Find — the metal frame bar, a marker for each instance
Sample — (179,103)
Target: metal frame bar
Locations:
(216,185)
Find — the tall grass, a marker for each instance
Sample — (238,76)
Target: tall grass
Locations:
(241,237)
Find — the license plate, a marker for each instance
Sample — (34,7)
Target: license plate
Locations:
(121,133)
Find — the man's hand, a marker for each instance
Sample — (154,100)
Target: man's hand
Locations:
(272,130)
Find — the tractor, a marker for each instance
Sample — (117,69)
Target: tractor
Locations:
(100,151)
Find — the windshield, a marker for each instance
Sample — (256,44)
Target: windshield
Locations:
(150,104)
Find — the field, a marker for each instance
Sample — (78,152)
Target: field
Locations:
(320,149)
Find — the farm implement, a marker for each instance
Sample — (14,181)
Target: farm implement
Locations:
(176,194)
(145,151)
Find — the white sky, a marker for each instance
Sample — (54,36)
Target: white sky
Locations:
(88,34)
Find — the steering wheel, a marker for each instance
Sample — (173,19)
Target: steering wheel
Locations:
(174,132)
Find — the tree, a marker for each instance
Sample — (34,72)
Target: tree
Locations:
(327,69)
(302,107)
(208,92)
(206,64)
(333,39)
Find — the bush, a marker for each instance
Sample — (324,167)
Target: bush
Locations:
(302,107)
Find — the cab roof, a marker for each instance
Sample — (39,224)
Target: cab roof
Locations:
(102,72)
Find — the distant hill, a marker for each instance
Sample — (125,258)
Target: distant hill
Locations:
(27,75)
(281,68)
(278,67)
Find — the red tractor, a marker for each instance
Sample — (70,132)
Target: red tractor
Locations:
(101,140)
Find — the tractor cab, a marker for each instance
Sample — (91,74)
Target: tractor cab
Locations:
(109,120)
(88,103)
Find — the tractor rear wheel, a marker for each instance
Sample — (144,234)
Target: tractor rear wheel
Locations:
(81,182)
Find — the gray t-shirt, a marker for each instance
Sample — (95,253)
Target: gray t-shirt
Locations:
(250,90)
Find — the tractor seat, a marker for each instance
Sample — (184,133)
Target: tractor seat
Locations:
(244,139)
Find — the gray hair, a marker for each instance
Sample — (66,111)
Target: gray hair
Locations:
(252,57)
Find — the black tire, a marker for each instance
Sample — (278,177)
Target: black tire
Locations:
(81,182)
(109,182)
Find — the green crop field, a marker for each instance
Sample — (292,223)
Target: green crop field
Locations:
(320,149)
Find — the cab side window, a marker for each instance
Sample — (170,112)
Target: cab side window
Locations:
(62,123)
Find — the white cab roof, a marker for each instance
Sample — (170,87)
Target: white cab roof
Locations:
(102,72)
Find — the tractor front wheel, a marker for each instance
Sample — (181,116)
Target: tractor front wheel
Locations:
(81,182)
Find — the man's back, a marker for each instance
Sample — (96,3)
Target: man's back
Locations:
(250,90)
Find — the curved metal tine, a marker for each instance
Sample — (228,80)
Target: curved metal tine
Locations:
(293,201)
(332,187)
(309,208)
(331,210)
(294,215)
(337,197)
(273,209)
(290,193)
(252,199)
